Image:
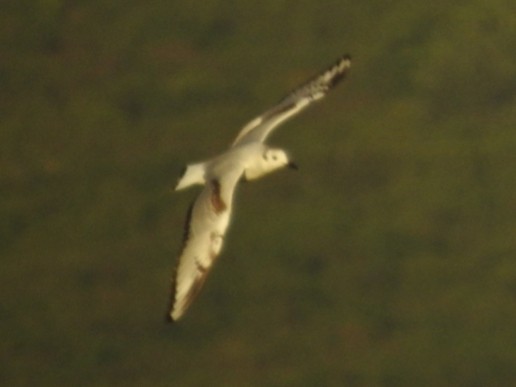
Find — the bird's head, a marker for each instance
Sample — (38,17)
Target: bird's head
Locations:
(274,158)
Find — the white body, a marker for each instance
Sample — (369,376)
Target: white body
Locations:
(254,160)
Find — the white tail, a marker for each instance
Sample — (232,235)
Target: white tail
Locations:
(192,174)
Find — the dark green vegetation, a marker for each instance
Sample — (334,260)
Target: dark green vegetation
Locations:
(388,260)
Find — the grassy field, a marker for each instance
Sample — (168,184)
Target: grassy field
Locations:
(389,259)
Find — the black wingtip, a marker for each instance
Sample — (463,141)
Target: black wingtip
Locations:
(340,69)
(169,319)
(172,299)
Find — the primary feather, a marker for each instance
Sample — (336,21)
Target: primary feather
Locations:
(316,88)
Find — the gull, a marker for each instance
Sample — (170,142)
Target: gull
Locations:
(248,158)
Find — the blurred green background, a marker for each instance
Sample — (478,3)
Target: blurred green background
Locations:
(388,260)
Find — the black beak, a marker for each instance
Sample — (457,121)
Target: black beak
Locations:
(292,165)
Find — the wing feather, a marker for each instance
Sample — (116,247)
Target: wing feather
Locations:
(206,224)
(316,88)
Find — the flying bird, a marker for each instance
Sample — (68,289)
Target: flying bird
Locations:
(248,158)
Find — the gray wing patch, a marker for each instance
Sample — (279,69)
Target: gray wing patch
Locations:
(216,200)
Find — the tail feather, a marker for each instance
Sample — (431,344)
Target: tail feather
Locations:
(190,175)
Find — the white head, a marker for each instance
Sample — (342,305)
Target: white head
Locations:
(275,158)
(271,159)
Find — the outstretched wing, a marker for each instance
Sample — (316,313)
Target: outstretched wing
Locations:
(206,224)
(316,88)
